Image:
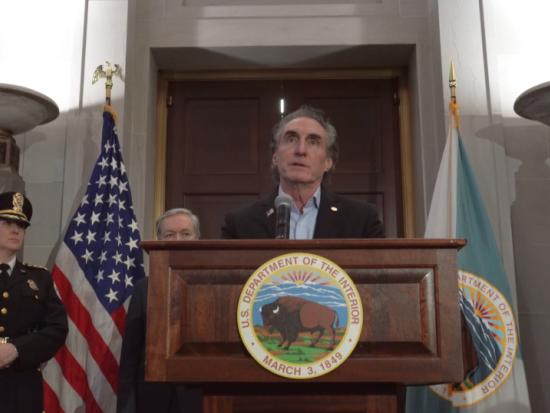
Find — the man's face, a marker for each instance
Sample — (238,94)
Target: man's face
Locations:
(177,227)
(11,237)
(301,156)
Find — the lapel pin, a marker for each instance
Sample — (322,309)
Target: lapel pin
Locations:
(333,209)
(271,211)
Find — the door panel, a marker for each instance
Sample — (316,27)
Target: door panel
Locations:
(207,129)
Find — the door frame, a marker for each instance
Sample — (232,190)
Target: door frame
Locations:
(405,134)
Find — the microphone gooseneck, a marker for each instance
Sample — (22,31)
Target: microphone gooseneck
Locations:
(282,216)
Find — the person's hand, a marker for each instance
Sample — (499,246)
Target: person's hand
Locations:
(8,353)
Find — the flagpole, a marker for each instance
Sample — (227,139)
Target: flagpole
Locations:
(452,82)
(453,105)
(453,109)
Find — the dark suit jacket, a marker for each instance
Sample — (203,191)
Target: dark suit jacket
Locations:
(35,321)
(135,395)
(338,217)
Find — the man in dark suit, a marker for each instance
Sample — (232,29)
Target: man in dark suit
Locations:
(135,395)
(304,154)
(33,322)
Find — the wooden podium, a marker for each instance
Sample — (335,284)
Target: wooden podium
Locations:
(411,332)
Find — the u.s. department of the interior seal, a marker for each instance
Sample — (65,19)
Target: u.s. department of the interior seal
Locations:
(300,315)
(490,320)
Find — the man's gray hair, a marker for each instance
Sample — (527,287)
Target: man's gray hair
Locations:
(306,111)
(178,211)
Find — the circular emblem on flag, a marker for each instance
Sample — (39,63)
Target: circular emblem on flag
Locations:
(300,315)
(490,320)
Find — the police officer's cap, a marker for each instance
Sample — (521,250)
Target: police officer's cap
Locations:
(15,207)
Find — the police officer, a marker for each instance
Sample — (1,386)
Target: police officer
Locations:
(33,322)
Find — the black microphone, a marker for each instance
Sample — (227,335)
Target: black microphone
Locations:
(282,216)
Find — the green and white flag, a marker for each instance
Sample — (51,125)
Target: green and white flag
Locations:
(498,382)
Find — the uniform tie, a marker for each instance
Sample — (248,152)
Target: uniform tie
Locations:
(4,275)
(4,270)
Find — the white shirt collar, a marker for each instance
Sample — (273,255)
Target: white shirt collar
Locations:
(315,200)
(11,264)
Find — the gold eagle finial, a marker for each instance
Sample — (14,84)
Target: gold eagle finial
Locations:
(107,71)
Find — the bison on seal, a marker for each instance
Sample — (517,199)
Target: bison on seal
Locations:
(291,315)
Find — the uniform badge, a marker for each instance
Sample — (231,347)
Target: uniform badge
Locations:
(32,285)
(17,201)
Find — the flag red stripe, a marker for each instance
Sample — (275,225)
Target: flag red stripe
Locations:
(51,402)
(119,318)
(81,318)
(76,377)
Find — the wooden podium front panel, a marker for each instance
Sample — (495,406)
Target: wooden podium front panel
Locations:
(398,309)
(409,291)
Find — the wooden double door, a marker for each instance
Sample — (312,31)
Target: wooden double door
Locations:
(218,134)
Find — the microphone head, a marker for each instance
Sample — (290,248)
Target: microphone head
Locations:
(283,200)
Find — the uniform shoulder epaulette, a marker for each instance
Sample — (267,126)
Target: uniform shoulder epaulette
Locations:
(38,267)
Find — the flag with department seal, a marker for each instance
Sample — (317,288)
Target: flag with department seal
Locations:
(497,383)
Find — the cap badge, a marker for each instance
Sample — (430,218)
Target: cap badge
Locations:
(18,201)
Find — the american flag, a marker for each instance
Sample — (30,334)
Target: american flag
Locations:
(96,268)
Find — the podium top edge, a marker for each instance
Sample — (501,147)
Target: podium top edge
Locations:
(259,244)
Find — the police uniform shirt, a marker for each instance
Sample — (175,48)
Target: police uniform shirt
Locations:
(33,319)
(6,269)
